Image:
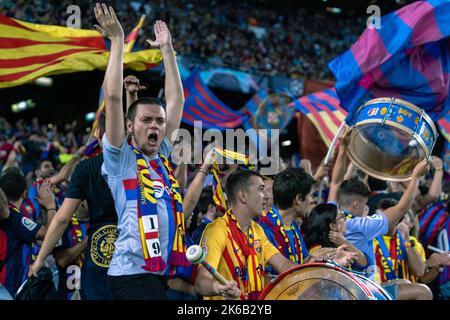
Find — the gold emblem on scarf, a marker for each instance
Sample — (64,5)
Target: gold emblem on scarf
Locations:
(102,245)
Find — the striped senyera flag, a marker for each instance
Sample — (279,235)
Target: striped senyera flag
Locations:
(202,105)
(407,57)
(29,51)
(324,111)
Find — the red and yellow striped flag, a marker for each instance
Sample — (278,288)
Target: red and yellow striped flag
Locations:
(219,196)
(29,51)
(132,36)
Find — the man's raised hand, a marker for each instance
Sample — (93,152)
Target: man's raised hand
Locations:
(162,35)
(109,25)
(131,84)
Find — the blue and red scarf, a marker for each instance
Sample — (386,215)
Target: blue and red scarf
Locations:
(292,251)
(148,215)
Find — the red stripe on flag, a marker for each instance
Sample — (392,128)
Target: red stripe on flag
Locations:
(319,119)
(89,42)
(331,113)
(207,97)
(226,116)
(330,99)
(228,124)
(192,119)
(18,75)
(132,35)
(10,22)
(444,124)
(22,62)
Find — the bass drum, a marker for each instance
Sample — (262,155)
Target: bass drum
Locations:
(322,281)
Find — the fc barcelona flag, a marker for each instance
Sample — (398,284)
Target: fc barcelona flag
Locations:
(324,111)
(202,105)
(407,57)
(29,51)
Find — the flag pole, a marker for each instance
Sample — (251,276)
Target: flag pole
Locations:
(336,136)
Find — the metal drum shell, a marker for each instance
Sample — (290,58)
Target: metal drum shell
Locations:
(410,120)
(356,288)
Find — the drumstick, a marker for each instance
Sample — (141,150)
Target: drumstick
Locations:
(436,249)
(336,136)
(196,255)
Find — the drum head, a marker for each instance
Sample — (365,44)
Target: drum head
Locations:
(316,281)
(383,152)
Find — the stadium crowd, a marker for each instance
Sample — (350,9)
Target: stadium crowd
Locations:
(118,223)
(284,41)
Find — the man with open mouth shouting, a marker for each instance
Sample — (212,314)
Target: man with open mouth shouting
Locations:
(151,243)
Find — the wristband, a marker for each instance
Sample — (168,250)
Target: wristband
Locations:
(410,244)
(203,171)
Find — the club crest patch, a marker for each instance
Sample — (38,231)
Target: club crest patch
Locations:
(102,245)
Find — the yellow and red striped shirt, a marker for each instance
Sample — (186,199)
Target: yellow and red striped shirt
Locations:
(223,253)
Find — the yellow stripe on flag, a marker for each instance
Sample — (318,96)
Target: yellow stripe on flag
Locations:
(58,31)
(67,62)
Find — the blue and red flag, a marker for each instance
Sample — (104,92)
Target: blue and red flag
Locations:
(202,105)
(444,126)
(324,110)
(407,57)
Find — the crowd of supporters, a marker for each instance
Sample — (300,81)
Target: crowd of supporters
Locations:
(118,222)
(241,35)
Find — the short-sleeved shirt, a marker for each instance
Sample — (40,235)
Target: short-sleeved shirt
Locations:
(16,234)
(120,171)
(224,254)
(87,183)
(362,230)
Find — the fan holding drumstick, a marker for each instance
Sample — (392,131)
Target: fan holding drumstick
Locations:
(236,247)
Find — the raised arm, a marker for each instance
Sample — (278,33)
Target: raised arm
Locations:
(339,169)
(196,187)
(132,86)
(395,214)
(436,185)
(111,28)
(54,232)
(172,85)
(416,265)
(66,170)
